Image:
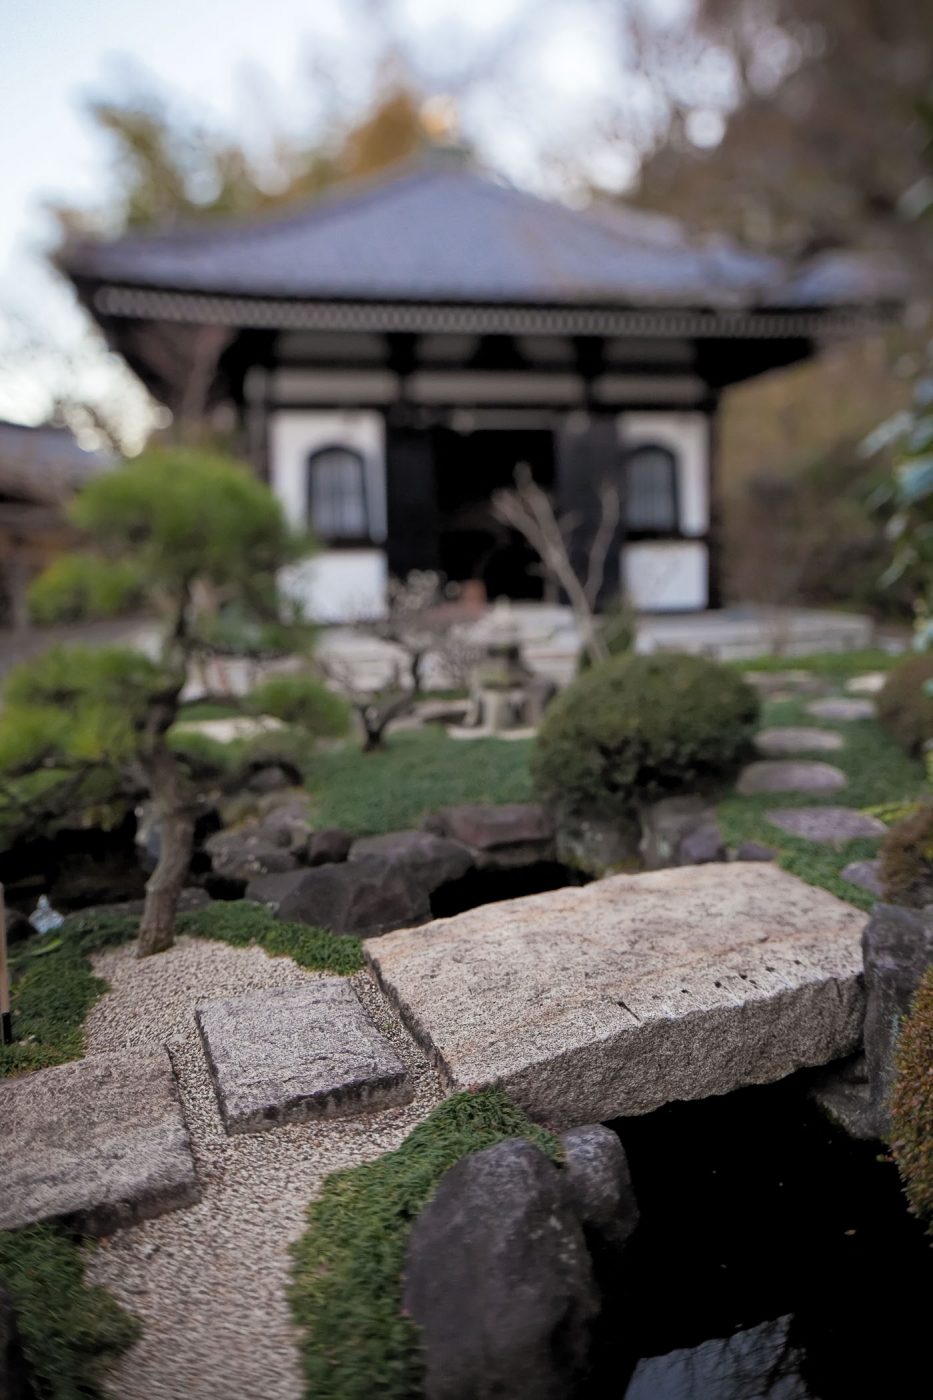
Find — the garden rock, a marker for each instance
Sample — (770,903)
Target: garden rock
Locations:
(327,847)
(771,683)
(755,850)
(290,1054)
(247,851)
(271,777)
(597,1183)
(500,836)
(431,860)
(592,1003)
(828,826)
(362,897)
(778,741)
(843,708)
(680,831)
(287,824)
(789,775)
(898,948)
(100,1143)
(756,1363)
(498,1279)
(864,874)
(871,683)
(596,845)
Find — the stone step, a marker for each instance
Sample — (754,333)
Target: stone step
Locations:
(100,1142)
(592,1003)
(793,739)
(789,775)
(828,826)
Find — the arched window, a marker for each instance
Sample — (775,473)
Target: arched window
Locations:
(651,491)
(337,505)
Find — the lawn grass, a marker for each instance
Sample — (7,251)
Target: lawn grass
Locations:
(370,793)
(833,665)
(69,1330)
(878,772)
(54,986)
(346,1291)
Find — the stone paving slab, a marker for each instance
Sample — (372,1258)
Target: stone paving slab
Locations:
(793,739)
(789,775)
(100,1142)
(612,999)
(290,1054)
(829,826)
(866,874)
(841,707)
(870,683)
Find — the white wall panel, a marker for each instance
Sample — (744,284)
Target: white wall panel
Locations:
(666,575)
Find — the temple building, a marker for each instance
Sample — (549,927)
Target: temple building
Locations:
(389,354)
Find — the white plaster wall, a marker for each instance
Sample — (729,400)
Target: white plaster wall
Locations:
(666,575)
(687,436)
(336,585)
(295,433)
(339,585)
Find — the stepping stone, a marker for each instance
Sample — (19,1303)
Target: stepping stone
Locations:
(868,684)
(588,1003)
(841,707)
(865,874)
(827,825)
(772,683)
(774,743)
(100,1143)
(789,775)
(290,1054)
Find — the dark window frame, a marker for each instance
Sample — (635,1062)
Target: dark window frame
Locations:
(634,531)
(338,541)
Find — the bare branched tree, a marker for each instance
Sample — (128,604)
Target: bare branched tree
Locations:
(528,509)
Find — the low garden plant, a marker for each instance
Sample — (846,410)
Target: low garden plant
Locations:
(912,1103)
(905,705)
(639,728)
(346,1293)
(906,855)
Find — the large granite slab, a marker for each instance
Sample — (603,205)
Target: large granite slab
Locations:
(288,1054)
(588,1004)
(100,1142)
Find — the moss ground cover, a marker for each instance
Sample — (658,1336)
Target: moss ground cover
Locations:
(69,1330)
(912,1104)
(419,770)
(54,986)
(347,1267)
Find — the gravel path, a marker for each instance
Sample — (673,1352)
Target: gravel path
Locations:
(209,1282)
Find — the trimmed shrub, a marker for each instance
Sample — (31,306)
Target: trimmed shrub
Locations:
(905,708)
(912,1103)
(304,703)
(81,585)
(906,856)
(346,1293)
(639,728)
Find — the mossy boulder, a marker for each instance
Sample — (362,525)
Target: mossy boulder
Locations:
(637,729)
(912,1103)
(906,856)
(905,706)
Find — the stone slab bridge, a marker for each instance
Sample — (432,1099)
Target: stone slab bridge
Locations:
(599,1002)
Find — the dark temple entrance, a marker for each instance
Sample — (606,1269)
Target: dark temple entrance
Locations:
(469,468)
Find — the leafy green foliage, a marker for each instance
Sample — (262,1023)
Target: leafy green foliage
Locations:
(184,514)
(346,1293)
(912,1103)
(81,585)
(639,728)
(304,702)
(905,706)
(70,1330)
(617,628)
(907,860)
(392,788)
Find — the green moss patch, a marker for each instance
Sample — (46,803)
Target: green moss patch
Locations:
(54,986)
(912,1103)
(346,1293)
(70,1330)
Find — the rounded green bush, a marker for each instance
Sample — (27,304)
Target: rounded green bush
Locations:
(639,728)
(906,856)
(905,709)
(303,702)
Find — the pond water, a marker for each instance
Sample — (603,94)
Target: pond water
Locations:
(775,1260)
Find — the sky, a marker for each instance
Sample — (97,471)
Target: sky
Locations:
(226,59)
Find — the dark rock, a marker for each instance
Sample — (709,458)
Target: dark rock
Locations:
(328,847)
(363,897)
(432,860)
(680,831)
(498,1278)
(247,851)
(596,846)
(14,1371)
(271,777)
(270,890)
(287,822)
(897,948)
(752,1364)
(842,1092)
(18,926)
(597,1184)
(499,835)
(866,875)
(190,899)
(755,850)
(148,836)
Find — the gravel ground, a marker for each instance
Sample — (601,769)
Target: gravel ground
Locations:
(209,1282)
